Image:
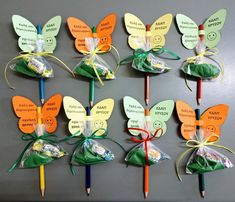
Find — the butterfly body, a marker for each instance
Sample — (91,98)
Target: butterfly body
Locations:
(147,36)
(27,111)
(80,30)
(99,115)
(211,31)
(157,118)
(210,121)
(30,40)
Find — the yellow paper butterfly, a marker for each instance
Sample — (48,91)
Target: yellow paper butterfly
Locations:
(137,30)
(99,114)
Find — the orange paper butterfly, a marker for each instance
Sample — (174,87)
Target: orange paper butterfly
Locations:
(27,111)
(80,30)
(210,120)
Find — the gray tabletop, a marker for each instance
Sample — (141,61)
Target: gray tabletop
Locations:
(113,181)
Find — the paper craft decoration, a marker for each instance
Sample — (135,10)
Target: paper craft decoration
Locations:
(204,38)
(37,44)
(91,42)
(88,151)
(137,124)
(37,124)
(147,42)
(203,158)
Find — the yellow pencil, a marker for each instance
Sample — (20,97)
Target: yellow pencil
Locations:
(41,169)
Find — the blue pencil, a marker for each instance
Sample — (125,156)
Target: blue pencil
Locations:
(88,167)
(41,80)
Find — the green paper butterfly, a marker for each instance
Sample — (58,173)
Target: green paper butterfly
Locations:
(159,114)
(190,31)
(27,32)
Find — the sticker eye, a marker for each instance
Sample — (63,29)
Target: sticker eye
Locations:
(49,40)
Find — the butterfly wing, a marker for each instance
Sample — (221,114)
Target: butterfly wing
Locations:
(49,31)
(213,118)
(136,28)
(160,28)
(80,30)
(26,110)
(160,113)
(212,27)
(49,112)
(189,29)
(76,113)
(26,31)
(135,112)
(187,116)
(104,31)
(100,113)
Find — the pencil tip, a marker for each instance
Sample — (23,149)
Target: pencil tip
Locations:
(91,103)
(145,194)
(147,101)
(42,192)
(203,194)
(88,191)
(199,101)
(42,101)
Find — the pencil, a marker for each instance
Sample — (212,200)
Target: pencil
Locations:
(146,181)
(42,90)
(42,99)
(200,176)
(92,92)
(146,167)
(148,38)
(147,88)
(88,167)
(41,168)
(199,80)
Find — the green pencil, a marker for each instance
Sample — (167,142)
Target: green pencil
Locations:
(200,176)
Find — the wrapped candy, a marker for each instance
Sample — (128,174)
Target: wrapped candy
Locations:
(91,42)
(206,159)
(137,155)
(201,134)
(147,43)
(204,38)
(92,65)
(38,125)
(90,152)
(200,67)
(146,126)
(37,45)
(41,150)
(89,129)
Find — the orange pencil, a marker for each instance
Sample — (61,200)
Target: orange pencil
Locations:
(147,88)
(146,181)
(146,167)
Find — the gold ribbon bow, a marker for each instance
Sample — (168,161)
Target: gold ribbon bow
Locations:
(98,50)
(196,144)
(28,54)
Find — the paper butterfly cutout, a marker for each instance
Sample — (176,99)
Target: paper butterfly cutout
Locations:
(100,113)
(210,121)
(159,114)
(29,37)
(190,31)
(137,30)
(26,110)
(80,30)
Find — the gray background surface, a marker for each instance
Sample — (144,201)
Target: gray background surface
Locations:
(113,181)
